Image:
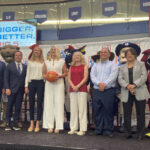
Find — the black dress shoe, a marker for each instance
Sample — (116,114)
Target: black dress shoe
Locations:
(94,134)
(121,129)
(128,136)
(140,137)
(108,134)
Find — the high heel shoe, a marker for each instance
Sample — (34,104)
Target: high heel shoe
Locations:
(56,131)
(30,129)
(37,129)
(50,130)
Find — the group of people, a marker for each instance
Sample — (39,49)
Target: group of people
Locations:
(104,74)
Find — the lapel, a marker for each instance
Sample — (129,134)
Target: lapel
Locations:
(15,68)
(135,69)
(126,72)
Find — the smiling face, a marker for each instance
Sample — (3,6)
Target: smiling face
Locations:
(104,54)
(130,56)
(37,51)
(18,56)
(77,56)
(53,51)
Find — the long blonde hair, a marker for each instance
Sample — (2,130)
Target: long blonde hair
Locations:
(58,54)
(41,58)
(82,59)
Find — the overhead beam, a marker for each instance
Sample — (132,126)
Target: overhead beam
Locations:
(35,2)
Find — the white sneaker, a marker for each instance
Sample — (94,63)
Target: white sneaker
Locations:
(81,133)
(72,132)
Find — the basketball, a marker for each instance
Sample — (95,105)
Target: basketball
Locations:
(51,76)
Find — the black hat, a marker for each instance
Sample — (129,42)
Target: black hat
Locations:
(128,44)
(97,57)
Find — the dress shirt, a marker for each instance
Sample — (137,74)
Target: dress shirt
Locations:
(106,72)
(20,66)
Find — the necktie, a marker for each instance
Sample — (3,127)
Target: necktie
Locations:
(19,69)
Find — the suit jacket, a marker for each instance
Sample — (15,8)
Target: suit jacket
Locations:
(139,79)
(2,69)
(13,80)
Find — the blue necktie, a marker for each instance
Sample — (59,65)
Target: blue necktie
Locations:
(19,69)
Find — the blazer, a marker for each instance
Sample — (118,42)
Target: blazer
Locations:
(13,80)
(2,69)
(139,79)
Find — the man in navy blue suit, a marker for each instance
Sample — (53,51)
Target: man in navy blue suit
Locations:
(14,81)
(2,68)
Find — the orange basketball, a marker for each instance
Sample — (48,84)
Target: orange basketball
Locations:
(51,76)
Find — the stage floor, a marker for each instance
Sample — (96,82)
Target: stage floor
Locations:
(22,140)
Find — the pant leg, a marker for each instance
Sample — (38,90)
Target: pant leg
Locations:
(98,111)
(140,111)
(108,100)
(127,113)
(73,111)
(32,92)
(82,105)
(11,101)
(40,97)
(19,99)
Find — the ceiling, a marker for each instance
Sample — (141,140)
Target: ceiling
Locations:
(22,2)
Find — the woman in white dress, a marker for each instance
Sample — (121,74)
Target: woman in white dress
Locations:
(53,115)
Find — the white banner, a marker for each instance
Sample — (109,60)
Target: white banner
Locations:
(93,47)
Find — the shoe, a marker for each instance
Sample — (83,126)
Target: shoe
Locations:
(36,129)
(94,134)
(108,134)
(72,132)
(56,131)
(3,125)
(50,130)
(140,137)
(8,128)
(128,136)
(20,125)
(16,128)
(134,129)
(81,133)
(30,129)
(121,129)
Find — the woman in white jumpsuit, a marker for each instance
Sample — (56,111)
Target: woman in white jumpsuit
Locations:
(53,115)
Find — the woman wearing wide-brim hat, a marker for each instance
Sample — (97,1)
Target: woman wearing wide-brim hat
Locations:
(132,78)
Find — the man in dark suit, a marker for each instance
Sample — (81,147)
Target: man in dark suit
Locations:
(2,68)
(14,81)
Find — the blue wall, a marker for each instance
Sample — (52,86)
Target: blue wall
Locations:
(95,31)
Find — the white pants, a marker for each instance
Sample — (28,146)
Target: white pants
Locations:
(78,108)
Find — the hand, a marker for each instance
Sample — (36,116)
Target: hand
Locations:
(118,96)
(59,76)
(26,90)
(8,92)
(102,86)
(133,91)
(131,86)
(101,89)
(75,88)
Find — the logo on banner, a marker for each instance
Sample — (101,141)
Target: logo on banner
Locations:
(40,15)
(75,13)
(109,9)
(8,15)
(144,5)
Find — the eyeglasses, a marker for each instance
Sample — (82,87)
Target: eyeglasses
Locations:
(103,52)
